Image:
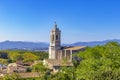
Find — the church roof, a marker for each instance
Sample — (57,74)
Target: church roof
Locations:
(75,48)
(55,62)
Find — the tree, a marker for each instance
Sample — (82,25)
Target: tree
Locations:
(14,56)
(100,63)
(29,57)
(3,61)
(40,69)
(13,76)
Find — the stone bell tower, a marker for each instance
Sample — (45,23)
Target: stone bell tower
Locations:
(55,42)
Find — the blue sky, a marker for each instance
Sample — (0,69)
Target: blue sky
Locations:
(79,20)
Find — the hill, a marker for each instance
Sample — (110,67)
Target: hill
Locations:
(44,46)
(23,45)
(94,43)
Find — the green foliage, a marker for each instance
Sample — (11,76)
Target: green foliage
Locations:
(66,73)
(3,61)
(12,77)
(42,55)
(98,63)
(29,57)
(16,55)
(39,67)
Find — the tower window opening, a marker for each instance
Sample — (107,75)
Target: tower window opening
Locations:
(56,37)
(52,37)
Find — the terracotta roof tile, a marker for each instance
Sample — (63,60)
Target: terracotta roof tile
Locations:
(75,48)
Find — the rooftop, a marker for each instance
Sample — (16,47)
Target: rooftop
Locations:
(55,62)
(75,48)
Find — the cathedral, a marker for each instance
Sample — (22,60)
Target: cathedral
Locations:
(55,49)
(58,55)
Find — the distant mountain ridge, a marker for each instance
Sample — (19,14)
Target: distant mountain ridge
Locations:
(94,43)
(44,46)
(23,45)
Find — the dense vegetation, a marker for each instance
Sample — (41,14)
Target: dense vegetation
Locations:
(8,56)
(100,63)
(96,63)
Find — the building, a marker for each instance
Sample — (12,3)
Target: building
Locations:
(58,55)
(3,69)
(54,48)
(14,67)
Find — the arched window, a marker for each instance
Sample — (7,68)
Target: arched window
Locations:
(56,37)
(52,37)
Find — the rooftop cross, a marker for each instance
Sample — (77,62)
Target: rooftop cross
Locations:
(55,25)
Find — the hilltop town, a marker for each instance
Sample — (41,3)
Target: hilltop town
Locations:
(84,44)
(62,62)
(22,63)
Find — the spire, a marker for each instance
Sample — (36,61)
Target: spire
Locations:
(55,25)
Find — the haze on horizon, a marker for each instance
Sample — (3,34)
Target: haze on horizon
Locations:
(79,20)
